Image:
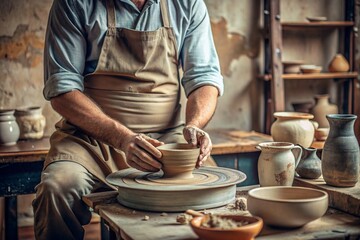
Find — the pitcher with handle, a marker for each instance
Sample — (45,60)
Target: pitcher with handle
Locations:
(277,163)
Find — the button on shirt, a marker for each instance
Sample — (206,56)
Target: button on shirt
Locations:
(76,30)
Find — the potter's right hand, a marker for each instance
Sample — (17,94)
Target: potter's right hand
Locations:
(141,152)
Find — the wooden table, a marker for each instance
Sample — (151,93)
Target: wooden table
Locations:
(125,223)
(236,149)
(20,169)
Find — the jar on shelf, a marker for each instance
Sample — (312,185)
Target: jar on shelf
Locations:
(9,129)
(31,122)
(321,108)
(339,64)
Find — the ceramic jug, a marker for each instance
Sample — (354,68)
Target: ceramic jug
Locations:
(340,156)
(321,108)
(339,64)
(31,122)
(293,127)
(277,163)
(9,129)
(310,164)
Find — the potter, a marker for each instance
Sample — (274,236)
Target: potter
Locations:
(277,163)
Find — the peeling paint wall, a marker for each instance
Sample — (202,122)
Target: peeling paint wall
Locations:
(22,31)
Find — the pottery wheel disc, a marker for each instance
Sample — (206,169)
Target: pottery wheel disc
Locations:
(210,187)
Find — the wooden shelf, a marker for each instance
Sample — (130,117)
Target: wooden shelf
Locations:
(313,76)
(323,24)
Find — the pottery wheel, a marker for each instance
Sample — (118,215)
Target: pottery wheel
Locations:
(210,187)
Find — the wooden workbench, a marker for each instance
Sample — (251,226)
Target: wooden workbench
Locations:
(125,223)
(20,170)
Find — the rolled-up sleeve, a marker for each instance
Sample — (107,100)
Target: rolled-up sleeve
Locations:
(198,54)
(65,50)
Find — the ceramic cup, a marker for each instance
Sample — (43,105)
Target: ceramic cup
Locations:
(178,160)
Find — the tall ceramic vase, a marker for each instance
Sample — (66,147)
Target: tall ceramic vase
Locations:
(293,127)
(9,129)
(277,163)
(340,156)
(322,108)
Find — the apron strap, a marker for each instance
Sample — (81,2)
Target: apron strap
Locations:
(165,13)
(110,17)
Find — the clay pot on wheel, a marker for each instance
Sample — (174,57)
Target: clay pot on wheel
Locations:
(293,127)
(178,160)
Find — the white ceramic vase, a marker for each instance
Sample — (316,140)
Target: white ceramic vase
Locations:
(277,163)
(293,127)
(9,129)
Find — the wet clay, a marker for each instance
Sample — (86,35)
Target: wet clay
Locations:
(215,221)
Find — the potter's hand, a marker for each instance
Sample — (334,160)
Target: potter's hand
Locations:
(141,152)
(200,138)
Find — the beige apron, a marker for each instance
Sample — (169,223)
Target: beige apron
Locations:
(136,82)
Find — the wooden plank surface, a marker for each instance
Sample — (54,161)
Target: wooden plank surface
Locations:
(130,224)
(227,141)
(25,151)
(312,76)
(322,24)
(345,199)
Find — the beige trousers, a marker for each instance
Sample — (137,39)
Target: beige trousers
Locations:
(59,211)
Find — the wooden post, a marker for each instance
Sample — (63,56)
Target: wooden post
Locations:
(277,83)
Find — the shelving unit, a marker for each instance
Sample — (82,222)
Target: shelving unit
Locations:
(273,73)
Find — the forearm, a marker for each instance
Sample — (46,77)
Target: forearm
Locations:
(201,105)
(79,110)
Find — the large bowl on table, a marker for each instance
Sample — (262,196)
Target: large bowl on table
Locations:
(286,206)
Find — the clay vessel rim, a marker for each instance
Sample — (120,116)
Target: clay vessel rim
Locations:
(279,145)
(25,109)
(342,116)
(255,194)
(293,115)
(177,147)
(7,111)
(197,221)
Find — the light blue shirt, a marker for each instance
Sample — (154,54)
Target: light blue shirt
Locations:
(76,30)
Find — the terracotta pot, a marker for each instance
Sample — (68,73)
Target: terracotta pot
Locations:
(178,160)
(310,164)
(31,122)
(339,64)
(9,129)
(287,206)
(277,163)
(293,127)
(321,108)
(340,156)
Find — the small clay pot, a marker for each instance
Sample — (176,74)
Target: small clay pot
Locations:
(321,134)
(339,64)
(178,160)
(31,122)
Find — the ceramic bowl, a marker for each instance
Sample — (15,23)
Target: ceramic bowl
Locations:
(245,232)
(284,206)
(321,133)
(316,19)
(292,66)
(178,160)
(310,69)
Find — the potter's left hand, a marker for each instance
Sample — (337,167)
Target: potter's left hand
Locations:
(199,138)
